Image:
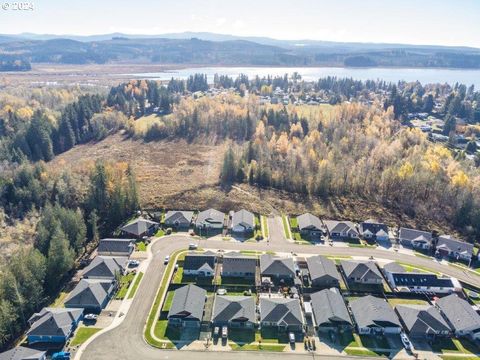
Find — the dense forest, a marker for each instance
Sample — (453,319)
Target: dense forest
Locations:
(233,52)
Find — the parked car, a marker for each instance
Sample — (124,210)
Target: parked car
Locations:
(291,337)
(222,292)
(216,331)
(167,259)
(406,342)
(224,332)
(133,263)
(168,231)
(192,246)
(91,317)
(62,355)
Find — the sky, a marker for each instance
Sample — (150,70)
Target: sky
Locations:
(439,22)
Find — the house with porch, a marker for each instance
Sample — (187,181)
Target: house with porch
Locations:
(282,314)
(374,316)
(187,307)
(234,312)
(53,325)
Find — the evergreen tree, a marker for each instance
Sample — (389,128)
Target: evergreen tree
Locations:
(60,258)
(228,169)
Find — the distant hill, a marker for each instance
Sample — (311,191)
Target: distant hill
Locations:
(219,49)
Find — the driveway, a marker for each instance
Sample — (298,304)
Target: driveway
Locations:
(126,340)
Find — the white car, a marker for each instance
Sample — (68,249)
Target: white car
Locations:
(91,317)
(133,263)
(224,332)
(406,342)
(167,259)
(192,246)
(222,292)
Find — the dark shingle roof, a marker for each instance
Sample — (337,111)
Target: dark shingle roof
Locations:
(361,269)
(320,266)
(138,226)
(373,226)
(373,311)
(459,313)
(340,226)
(329,308)
(235,262)
(194,261)
(421,279)
(90,292)
(107,246)
(228,308)
(413,234)
(181,216)
(270,265)
(448,243)
(23,353)
(243,217)
(209,216)
(53,321)
(309,221)
(188,301)
(105,266)
(281,311)
(420,319)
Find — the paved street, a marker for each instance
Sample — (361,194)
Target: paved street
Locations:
(126,340)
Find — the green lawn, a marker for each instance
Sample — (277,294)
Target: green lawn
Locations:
(136,283)
(141,246)
(258,347)
(264,225)
(168,301)
(160,232)
(414,268)
(58,302)
(363,352)
(286,230)
(83,334)
(125,282)
(395,302)
(293,223)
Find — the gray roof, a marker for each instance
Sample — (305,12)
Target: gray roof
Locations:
(231,308)
(329,308)
(448,243)
(413,234)
(196,261)
(209,216)
(319,266)
(188,301)
(339,226)
(459,313)
(107,246)
(281,311)
(243,217)
(90,292)
(138,226)
(422,319)
(23,353)
(270,265)
(371,311)
(361,269)
(373,226)
(53,321)
(309,221)
(235,262)
(180,216)
(105,266)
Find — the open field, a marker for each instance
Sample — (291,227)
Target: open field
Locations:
(176,174)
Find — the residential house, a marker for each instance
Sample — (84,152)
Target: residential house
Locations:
(310,226)
(460,315)
(91,294)
(342,230)
(199,264)
(23,353)
(374,316)
(362,272)
(53,325)
(210,219)
(105,267)
(415,238)
(323,272)
(281,313)
(234,312)
(116,247)
(421,282)
(187,306)
(456,249)
(243,222)
(179,220)
(238,265)
(330,311)
(140,227)
(423,321)
(374,230)
(277,268)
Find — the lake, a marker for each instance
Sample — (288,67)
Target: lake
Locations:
(425,76)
